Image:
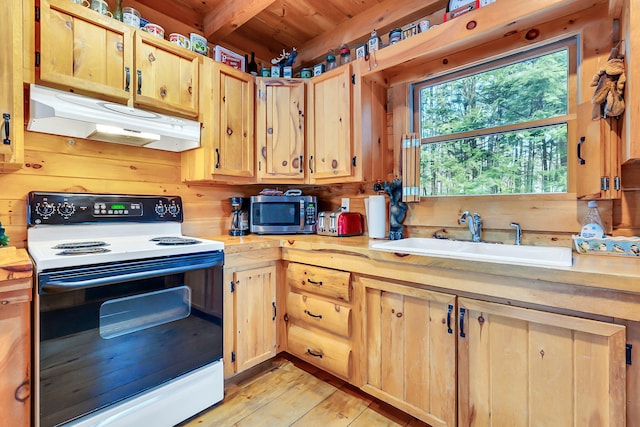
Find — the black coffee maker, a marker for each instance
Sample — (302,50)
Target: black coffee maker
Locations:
(239,216)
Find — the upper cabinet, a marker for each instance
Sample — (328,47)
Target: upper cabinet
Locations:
(11,105)
(166,75)
(631,42)
(89,53)
(330,140)
(85,51)
(227,139)
(280,130)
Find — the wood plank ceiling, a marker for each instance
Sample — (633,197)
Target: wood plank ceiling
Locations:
(266,27)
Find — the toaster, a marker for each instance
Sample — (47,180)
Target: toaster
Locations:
(340,224)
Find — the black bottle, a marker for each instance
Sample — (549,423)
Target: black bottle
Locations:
(252,67)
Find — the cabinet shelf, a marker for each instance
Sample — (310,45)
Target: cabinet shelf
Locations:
(475,28)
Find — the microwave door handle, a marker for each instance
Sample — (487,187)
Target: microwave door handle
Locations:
(58,286)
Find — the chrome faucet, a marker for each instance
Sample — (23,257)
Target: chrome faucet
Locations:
(518,232)
(475,224)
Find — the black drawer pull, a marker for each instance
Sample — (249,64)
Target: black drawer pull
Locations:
(317,316)
(449,330)
(7,128)
(314,282)
(314,354)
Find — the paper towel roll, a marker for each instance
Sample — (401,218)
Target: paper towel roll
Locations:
(377,217)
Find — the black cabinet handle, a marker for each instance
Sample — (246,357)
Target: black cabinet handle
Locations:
(7,128)
(139,82)
(310,164)
(217,158)
(127,78)
(314,354)
(450,309)
(582,161)
(462,312)
(301,170)
(314,282)
(274,310)
(317,316)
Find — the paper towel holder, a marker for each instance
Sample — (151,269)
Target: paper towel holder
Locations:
(397,208)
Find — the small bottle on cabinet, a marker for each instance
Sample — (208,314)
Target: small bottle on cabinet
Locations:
(592,226)
(331,60)
(253,66)
(345,54)
(117,11)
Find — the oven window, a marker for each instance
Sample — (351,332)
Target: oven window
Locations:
(103,344)
(277,213)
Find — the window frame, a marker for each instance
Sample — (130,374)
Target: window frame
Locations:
(571,44)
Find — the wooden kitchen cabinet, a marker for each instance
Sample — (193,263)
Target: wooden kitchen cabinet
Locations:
(280,130)
(410,349)
(84,51)
(320,319)
(15,337)
(227,149)
(250,316)
(166,75)
(330,140)
(519,366)
(11,99)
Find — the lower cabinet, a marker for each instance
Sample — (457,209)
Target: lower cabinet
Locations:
(250,317)
(320,318)
(522,367)
(410,349)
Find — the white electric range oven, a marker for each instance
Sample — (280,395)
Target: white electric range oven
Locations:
(128,311)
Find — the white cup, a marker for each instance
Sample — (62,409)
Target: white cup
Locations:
(180,40)
(198,43)
(102,7)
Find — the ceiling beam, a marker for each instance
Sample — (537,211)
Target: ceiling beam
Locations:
(230,15)
(382,17)
(175,10)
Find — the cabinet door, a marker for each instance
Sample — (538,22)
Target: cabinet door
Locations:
(11,107)
(166,75)
(280,130)
(410,349)
(83,50)
(522,367)
(255,316)
(330,141)
(15,357)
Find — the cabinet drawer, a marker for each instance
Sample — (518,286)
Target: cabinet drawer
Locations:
(328,353)
(320,313)
(321,281)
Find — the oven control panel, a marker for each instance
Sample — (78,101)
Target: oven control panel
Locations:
(76,208)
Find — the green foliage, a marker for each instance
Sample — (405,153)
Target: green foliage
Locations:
(4,239)
(525,160)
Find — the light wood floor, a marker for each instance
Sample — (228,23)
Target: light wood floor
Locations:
(290,392)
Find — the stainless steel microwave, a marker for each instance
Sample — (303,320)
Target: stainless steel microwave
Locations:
(283,214)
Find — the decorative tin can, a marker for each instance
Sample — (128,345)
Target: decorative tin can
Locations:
(361,51)
(318,69)
(287,71)
(265,72)
(305,73)
(275,71)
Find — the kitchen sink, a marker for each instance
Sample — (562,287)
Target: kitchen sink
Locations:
(544,256)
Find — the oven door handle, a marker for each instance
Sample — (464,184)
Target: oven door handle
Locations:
(58,286)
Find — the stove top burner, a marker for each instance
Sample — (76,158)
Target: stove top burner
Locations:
(174,240)
(77,245)
(83,250)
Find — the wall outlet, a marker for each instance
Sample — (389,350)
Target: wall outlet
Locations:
(345,205)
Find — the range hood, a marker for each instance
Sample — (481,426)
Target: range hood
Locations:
(62,113)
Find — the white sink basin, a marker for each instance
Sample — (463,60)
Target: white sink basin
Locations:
(544,256)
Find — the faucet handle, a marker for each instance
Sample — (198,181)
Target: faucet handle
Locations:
(518,232)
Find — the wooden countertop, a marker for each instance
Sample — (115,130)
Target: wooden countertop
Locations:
(16,269)
(605,272)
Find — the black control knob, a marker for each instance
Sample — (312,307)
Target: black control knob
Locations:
(161,209)
(66,209)
(174,209)
(45,209)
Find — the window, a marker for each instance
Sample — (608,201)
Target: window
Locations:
(499,127)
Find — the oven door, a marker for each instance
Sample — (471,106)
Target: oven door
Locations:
(109,332)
